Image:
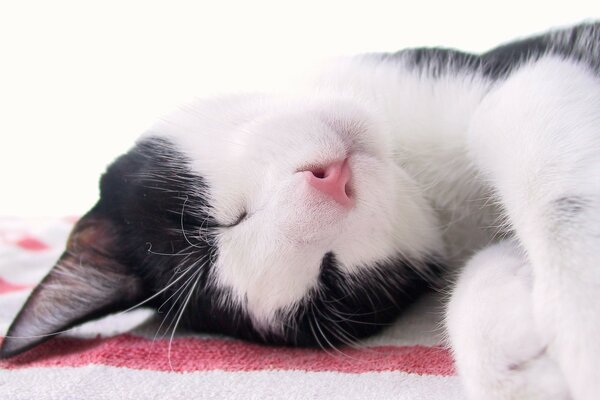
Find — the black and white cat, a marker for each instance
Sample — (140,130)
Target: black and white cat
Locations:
(314,217)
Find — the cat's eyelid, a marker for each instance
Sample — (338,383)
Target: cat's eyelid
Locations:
(240,219)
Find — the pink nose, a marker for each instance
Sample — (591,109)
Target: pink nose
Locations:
(332,180)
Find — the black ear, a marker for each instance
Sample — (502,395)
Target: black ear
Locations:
(87,282)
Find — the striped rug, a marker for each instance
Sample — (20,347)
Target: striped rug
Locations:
(122,357)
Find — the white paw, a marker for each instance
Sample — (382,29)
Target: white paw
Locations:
(498,351)
(567,317)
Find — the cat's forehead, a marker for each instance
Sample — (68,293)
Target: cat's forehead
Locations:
(239,145)
(247,132)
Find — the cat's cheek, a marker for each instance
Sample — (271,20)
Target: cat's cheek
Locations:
(264,272)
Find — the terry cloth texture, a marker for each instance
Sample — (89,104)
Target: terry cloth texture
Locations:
(123,357)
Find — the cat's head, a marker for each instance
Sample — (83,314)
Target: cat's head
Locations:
(280,220)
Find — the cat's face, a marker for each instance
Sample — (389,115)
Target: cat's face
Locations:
(286,221)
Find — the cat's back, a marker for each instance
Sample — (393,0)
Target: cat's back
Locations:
(579,43)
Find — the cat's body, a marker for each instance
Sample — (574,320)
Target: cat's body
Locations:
(314,217)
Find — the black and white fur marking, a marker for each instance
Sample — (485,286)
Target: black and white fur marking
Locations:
(486,164)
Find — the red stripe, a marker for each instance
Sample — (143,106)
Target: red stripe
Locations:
(31,243)
(194,354)
(6,287)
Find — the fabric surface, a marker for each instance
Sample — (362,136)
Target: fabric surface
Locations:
(129,356)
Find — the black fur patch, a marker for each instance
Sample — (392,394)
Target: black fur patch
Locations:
(159,209)
(580,43)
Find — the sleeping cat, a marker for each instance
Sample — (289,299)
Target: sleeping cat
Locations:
(314,217)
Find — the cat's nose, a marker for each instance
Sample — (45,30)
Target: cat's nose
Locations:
(333,180)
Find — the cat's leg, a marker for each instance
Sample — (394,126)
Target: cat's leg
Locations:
(498,351)
(536,138)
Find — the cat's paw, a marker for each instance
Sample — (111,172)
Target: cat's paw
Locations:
(498,351)
(568,320)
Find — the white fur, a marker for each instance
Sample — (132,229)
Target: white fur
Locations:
(440,166)
(498,350)
(537,138)
(272,259)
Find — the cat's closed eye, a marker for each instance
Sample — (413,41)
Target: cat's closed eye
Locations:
(242,216)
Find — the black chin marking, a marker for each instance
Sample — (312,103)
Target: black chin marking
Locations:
(344,309)
(341,310)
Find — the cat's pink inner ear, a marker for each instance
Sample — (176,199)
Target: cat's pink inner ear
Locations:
(86,283)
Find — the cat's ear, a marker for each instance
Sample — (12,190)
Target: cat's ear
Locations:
(87,282)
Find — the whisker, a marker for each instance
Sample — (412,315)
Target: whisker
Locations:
(342,318)
(192,289)
(159,309)
(182,224)
(331,345)
(310,324)
(181,291)
(149,250)
(153,296)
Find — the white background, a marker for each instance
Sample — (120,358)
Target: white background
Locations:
(79,81)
